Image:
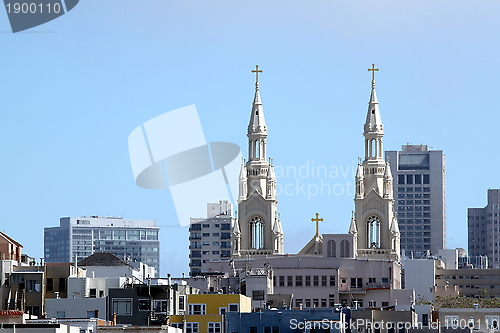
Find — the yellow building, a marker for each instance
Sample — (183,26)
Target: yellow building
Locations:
(205,311)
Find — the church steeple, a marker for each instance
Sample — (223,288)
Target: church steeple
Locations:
(373,129)
(374,221)
(257,129)
(259,230)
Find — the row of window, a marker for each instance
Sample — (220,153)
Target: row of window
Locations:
(198,226)
(304,281)
(222,244)
(82,233)
(413,189)
(401,214)
(212,327)
(413,208)
(414,202)
(331,249)
(199,235)
(413,179)
(414,195)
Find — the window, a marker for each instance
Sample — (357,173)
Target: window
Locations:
(233,307)
(62,284)
(425,319)
(122,306)
(323,281)
(182,302)
(50,284)
(93,293)
(345,249)
(308,281)
(206,234)
(257,232)
(160,305)
(373,231)
(61,314)
(197,309)
(372,280)
(289,282)
(356,282)
(213,327)
(225,226)
(144,305)
(282,281)
(91,314)
(298,281)
(192,327)
(372,304)
(258,295)
(316,281)
(195,227)
(332,280)
(222,310)
(331,249)
(33,285)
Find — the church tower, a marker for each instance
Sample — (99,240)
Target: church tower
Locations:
(258,229)
(375,224)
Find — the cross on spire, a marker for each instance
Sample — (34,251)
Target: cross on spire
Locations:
(257,71)
(373,70)
(317,220)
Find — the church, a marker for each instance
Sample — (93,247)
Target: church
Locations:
(361,268)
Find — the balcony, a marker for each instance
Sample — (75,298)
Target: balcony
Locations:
(351,290)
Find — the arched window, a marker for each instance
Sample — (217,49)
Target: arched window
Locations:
(331,249)
(373,232)
(257,233)
(344,249)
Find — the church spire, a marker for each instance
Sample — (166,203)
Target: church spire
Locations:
(257,125)
(373,129)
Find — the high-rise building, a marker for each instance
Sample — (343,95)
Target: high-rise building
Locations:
(258,230)
(78,237)
(420,190)
(484,233)
(210,237)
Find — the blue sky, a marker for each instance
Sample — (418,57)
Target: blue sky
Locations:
(72,90)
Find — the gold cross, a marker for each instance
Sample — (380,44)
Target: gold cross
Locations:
(256,71)
(317,219)
(373,70)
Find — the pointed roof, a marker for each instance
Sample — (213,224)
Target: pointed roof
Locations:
(359,172)
(270,173)
(388,172)
(4,235)
(394,226)
(257,123)
(314,246)
(102,259)
(277,227)
(243,171)
(373,119)
(353,230)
